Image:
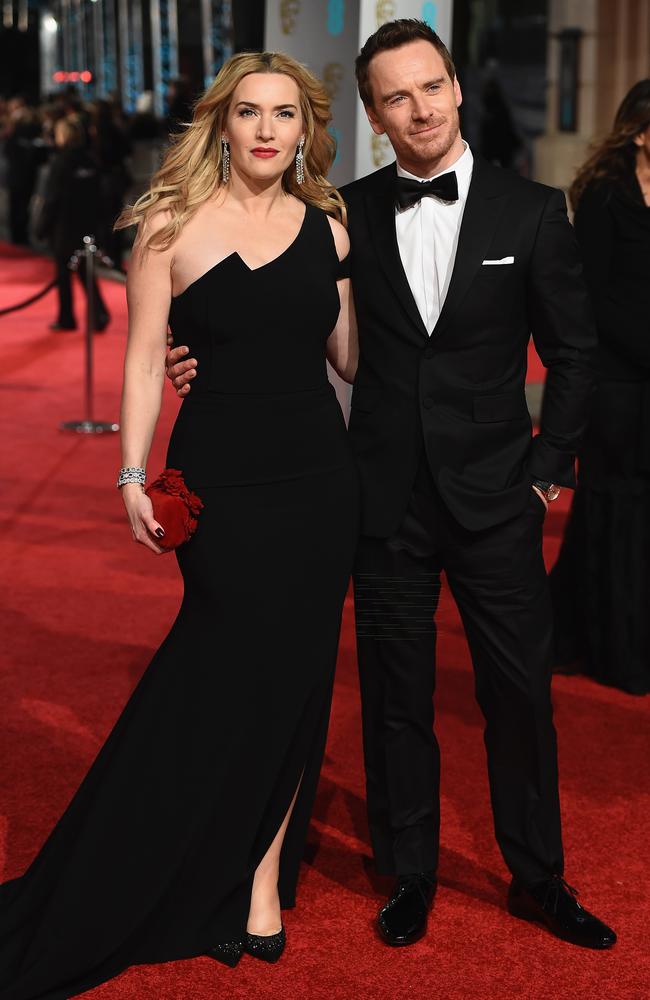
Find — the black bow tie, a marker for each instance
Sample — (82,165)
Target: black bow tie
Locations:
(409,192)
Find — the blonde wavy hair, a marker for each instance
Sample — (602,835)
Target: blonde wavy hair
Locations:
(191,170)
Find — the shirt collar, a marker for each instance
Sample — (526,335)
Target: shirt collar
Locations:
(462,166)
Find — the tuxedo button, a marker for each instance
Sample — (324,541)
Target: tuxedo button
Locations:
(428,352)
(427,402)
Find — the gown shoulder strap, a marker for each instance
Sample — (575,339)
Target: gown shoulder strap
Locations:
(340,268)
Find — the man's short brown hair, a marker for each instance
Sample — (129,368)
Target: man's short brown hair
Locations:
(392,35)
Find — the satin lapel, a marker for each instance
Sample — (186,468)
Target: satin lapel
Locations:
(486,200)
(380,207)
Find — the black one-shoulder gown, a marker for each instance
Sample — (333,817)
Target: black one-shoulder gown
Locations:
(154,858)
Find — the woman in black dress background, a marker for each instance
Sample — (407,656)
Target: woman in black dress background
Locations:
(601,582)
(186,836)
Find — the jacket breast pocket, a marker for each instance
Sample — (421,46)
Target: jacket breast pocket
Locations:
(365,397)
(505,406)
(497,272)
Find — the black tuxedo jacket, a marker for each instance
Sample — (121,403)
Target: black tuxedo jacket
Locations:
(460,391)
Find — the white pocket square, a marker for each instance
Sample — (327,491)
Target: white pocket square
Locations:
(504,260)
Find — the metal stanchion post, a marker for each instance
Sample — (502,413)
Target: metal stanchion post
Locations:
(89,425)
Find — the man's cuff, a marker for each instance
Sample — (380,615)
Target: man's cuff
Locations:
(551,465)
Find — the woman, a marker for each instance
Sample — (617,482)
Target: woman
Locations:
(601,583)
(186,836)
(71,210)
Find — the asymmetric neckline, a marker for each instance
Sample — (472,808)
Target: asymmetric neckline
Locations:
(239,257)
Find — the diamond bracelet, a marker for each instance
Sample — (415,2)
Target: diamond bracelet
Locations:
(131,474)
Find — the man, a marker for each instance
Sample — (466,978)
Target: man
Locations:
(453,263)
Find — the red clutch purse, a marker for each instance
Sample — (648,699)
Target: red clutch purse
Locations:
(175,508)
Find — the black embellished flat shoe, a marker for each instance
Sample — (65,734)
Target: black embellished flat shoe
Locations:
(229,952)
(267,947)
(553,904)
(403,920)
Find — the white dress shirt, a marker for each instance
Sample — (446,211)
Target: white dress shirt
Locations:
(427,237)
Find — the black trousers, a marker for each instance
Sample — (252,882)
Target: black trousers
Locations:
(64,286)
(19,200)
(498,580)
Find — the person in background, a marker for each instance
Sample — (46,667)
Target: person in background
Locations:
(22,128)
(110,146)
(179,104)
(600,584)
(143,123)
(71,209)
(499,141)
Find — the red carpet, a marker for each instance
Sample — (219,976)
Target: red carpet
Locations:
(536,371)
(83,610)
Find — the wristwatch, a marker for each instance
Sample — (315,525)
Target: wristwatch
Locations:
(550,490)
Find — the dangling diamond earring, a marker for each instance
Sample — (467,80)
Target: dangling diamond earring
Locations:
(225,160)
(300,163)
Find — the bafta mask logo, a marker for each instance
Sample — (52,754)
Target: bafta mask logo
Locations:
(335,16)
(386,10)
(289,11)
(332,78)
(336,136)
(380,149)
(429,12)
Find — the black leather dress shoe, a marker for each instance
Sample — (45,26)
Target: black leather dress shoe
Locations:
(403,920)
(554,904)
